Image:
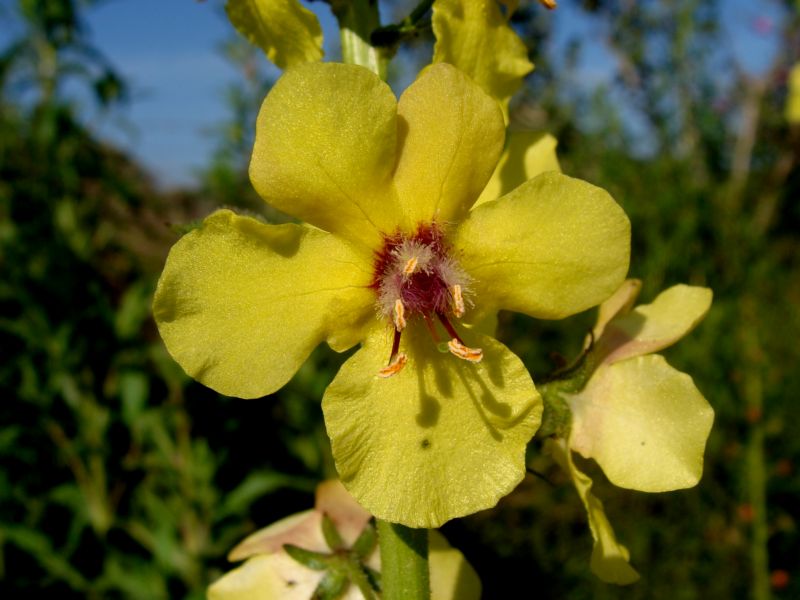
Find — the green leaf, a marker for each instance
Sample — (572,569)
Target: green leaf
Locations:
(257,485)
(134,387)
(38,545)
(332,586)
(373,576)
(365,543)
(312,560)
(288,33)
(332,537)
(134,310)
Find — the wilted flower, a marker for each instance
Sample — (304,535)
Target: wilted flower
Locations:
(429,420)
(645,423)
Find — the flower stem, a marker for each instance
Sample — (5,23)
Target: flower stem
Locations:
(404,562)
(357,20)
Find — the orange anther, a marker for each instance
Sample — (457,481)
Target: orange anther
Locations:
(473,355)
(458,301)
(394,367)
(399,315)
(411,266)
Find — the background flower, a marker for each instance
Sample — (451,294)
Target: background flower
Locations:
(645,423)
(269,572)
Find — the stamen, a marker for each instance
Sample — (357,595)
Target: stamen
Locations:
(458,301)
(398,362)
(431,328)
(399,315)
(449,327)
(395,345)
(473,355)
(411,266)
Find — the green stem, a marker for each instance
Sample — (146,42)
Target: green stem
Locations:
(404,562)
(357,20)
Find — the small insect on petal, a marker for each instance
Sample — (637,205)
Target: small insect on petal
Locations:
(474,355)
(458,301)
(399,315)
(394,367)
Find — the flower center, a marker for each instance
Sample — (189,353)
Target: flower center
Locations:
(416,279)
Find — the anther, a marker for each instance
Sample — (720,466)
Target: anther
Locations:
(411,266)
(398,362)
(458,301)
(399,315)
(473,355)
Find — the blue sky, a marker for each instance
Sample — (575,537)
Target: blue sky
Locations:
(168,50)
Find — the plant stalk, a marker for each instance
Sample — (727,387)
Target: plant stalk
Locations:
(357,20)
(404,562)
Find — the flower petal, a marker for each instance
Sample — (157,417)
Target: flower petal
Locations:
(617,305)
(325,147)
(452,577)
(610,559)
(266,577)
(347,514)
(645,423)
(240,305)
(442,438)
(288,33)
(474,36)
(651,327)
(526,155)
(451,135)
(302,529)
(551,248)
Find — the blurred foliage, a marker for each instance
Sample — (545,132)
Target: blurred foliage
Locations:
(112,481)
(119,477)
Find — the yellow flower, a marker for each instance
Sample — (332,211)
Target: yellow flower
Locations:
(475,36)
(645,423)
(269,572)
(287,32)
(526,155)
(793,96)
(429,420)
